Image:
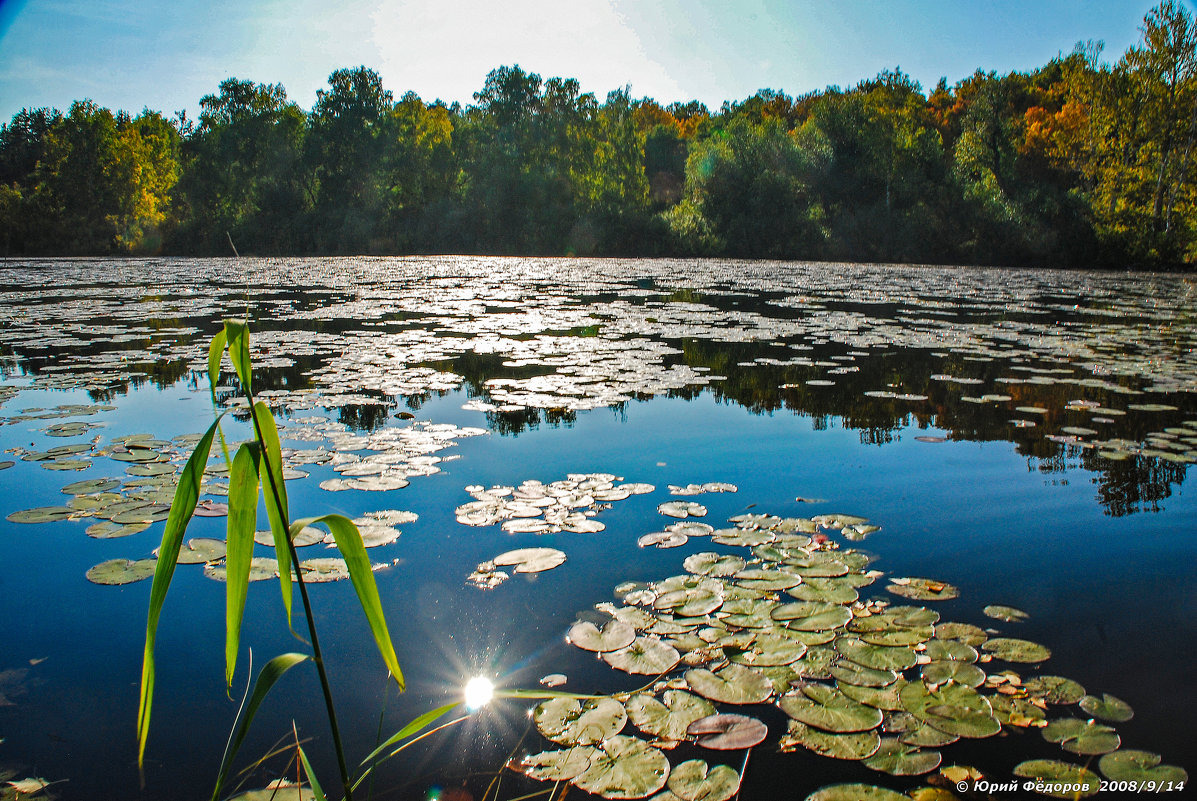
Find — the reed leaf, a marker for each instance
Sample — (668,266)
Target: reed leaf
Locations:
(271,672)
(414,726)
(317,790)
(242,521)
(349,543)
(274,489)
(237,334)
(181,509)
(215,350)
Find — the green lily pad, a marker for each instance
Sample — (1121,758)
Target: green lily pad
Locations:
(928,737)
(151,469)
(1013,650)
(817,662)
(936,673)
(848,672)
(109,530)
(825,590)
(733,684)
(828,709)
(1140,767)
(1013,711)
(952,708)
(1055,689)
(7,463)
(261,568)
(91,486)
(624,767)
(1107,708)
(613,636)
(923,589)
(682,509)
(966,633)
(571,721)
(41,514)
(884,698)
(324,569)
(767,579)
(950,651)
(899,759)
(668,718)
(694,780)
(1058,779)
(855,746)
(728,732)
(709,563)
(121,571)
(1082,737)
(690,602)
(878,657)
(531,560)
(554,766)
(646,656)
(200,550)
(855,792)
(1009,614)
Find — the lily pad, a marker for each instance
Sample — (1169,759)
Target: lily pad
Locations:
(121,571)
(1082,737)
(878,657)
(554,766)
(1008,614)
(91,486)
(949,651)
(199,550)
(900,759)
(1055,689)
(613,636)
(624,767)
(1058,779)
(952,708)
(1140,767)
(694,780)
(848,672)
(923,589)
(1107,708)
(828,709)
(572,721)
(855,792)
(1013,650)
(709,563)
(966,633)
(770,650)
(728,732)
(41,514)
(689,602)
(667,718)
(109,530)
(646,656)
(324,569)
(855,746)
(885,698)
(733,684)
(531,560)
(682,509)
(937,673)
(261,568)
(825,590)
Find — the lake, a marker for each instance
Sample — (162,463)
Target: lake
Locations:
(886,450)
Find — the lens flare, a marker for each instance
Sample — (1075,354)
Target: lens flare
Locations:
(478,693)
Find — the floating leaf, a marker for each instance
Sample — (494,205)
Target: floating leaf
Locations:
(899,759)
(936,673)
(1055,689)
(682,509)
(769,650)
(324,569)
(41,514)
(708,563)
(570,721)
(121,571)
(1082,737)
(668,718)
(531,560)
(1009,614)
(825,590)
(1107,708)
(200,550)
(624,767)
(694,780)
(855,746)
(829,709)
(949,651)
(91,486)
(689,602)
(886,698)
(855,792)
(261,568)
(1140,767)
(923,589)
(1013,650)
(733,684)
(878,657)
(728,732)
(613,636)
(646,656)
(555,766)
(953,708)
(848,672)
(1058,779)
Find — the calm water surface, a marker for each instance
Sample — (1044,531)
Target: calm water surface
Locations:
(1022,436)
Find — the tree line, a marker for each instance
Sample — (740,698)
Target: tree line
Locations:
(1080,163)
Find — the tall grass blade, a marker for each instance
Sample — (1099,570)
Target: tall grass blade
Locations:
(237,334)
(181,508)
(272,671)
(349,543)
(215,351)
(242,521)
(416,725)
(274,489)
(317,790)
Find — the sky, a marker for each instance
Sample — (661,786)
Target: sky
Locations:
(135,54)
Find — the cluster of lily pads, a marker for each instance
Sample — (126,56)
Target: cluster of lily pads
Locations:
(569,504)
(864,679)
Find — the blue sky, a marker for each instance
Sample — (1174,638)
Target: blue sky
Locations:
(130,54)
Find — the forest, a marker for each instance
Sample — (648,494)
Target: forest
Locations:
(1081,163)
